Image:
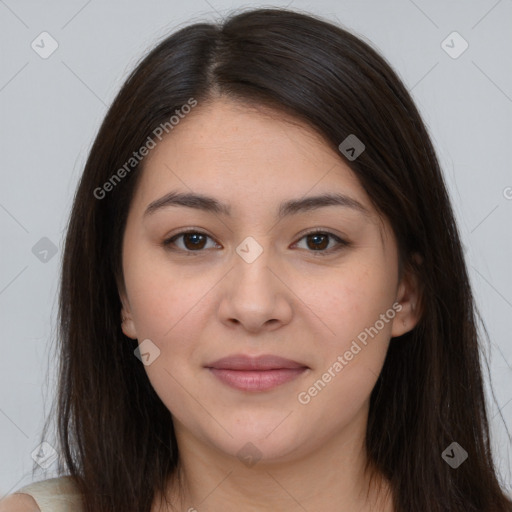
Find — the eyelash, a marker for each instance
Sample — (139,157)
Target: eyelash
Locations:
(341,243)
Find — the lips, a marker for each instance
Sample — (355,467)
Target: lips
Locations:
(243,362)
(256,373)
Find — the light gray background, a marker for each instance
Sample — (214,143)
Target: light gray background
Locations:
(51,109)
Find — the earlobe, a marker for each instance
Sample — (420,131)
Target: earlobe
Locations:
(128,327)
(127,323)
(409,298)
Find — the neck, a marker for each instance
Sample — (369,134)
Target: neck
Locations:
(331,477)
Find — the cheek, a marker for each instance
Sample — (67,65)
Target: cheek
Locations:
(351,359)
(350,301)
(160,293)
(166,307)
(359,311)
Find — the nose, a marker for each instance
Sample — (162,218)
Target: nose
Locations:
(255,295)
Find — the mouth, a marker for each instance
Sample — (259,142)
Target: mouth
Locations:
(261,373)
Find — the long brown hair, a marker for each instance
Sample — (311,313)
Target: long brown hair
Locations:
(115,435)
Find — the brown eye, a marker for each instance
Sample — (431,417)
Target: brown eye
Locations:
(318,242)
(192,241)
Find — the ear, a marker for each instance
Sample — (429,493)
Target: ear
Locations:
(409,297)
(127,323)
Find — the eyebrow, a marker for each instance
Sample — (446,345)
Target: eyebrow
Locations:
(286,208)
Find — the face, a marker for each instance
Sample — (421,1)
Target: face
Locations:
(251,279)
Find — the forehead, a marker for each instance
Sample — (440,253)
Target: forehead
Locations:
(234,151)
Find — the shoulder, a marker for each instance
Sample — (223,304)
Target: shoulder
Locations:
(19,503)
(51,495)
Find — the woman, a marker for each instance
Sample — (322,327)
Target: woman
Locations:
(263,291)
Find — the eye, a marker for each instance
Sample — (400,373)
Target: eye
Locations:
(318,241)
(195,241)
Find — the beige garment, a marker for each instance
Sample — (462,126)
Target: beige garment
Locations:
(54,495)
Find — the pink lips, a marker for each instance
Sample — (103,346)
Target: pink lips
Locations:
(259,373)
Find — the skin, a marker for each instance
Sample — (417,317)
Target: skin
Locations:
(19,502)
(290,301)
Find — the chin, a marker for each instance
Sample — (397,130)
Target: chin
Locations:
(261,444)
